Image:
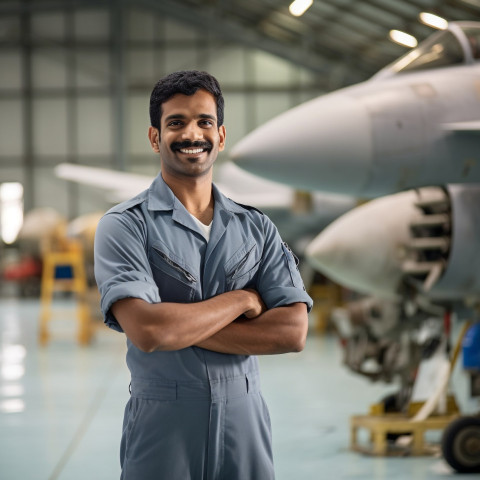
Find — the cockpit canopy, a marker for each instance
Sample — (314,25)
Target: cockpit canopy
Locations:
(458,44)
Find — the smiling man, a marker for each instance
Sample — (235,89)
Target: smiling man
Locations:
(199,285)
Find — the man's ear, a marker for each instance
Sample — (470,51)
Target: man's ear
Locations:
(154,137)
(223,134)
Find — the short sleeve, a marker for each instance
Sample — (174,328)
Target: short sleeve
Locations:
(122,269)
(279,281)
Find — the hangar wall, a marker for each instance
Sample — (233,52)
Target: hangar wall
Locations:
(75,86)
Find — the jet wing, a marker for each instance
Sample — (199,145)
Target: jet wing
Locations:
(473,126)
(118,185)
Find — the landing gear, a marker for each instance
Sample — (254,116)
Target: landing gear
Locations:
(461,444)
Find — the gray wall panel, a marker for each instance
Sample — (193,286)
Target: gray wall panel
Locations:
(11,128)
(85,86)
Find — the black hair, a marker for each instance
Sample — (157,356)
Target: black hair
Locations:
(187,83)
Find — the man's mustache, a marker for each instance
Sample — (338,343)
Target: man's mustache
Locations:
(188,144)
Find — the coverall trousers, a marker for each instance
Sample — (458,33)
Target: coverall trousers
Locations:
(215,431)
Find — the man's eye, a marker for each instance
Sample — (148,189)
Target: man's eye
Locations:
(206,123)
(174,123)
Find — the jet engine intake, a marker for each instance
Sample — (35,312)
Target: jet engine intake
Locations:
(443,259)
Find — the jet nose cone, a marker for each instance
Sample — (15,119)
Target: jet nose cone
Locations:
(324,144)
(364,249)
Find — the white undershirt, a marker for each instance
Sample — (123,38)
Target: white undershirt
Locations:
(204,228)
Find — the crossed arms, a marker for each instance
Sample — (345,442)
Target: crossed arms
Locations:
(235,322)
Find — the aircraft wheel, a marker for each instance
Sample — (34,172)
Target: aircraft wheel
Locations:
(461,444)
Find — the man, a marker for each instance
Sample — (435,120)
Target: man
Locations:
(199,285)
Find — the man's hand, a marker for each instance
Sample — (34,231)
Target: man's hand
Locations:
(258,307)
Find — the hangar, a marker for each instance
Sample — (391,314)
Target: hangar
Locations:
(75,81)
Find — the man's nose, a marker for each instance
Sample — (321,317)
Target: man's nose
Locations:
(192,132)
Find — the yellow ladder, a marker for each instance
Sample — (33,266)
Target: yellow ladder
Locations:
(73,258)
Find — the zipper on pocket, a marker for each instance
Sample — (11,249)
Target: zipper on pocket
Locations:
(241,264)
(177,267)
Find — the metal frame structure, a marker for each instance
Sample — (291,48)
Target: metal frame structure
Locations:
(336,43)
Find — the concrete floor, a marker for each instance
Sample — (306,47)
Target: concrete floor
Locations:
(61,407)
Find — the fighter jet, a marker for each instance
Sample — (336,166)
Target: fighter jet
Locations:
(414,123)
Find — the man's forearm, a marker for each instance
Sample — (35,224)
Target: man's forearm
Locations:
(173,326)
(279,330)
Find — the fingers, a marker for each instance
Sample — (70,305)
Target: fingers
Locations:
(257,306)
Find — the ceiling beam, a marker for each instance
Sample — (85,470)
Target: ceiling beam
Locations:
(207,18)
(22,7)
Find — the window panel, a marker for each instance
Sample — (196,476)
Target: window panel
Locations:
(10,30)
(11,69)
(93,68)
(94,126)
(141,67)
(179,31)
(50,191)
(271,71)
(269,105)
(48,26)
(49,68)
(137,124)
(13,174)
(92,25)
(11,128)
(235,118)
(141,25)
(50,127)
(181,59)
(227,65)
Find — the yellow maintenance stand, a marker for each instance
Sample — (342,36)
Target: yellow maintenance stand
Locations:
(381,425)
(64,253)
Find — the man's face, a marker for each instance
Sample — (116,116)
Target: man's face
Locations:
(189,139)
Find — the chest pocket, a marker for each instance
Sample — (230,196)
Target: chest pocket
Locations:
(241,267)
(175,280)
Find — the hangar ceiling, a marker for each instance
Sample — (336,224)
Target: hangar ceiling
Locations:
(348,35)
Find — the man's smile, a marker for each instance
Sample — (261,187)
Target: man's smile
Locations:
(191,151)
(191,148)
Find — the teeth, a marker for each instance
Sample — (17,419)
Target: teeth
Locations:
(191,151)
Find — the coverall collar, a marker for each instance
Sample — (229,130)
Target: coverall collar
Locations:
(161,198)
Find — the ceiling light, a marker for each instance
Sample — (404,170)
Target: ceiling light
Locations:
(403,38)
(11,211)
(299,7)
(14,405)
(433,20)
(12,372)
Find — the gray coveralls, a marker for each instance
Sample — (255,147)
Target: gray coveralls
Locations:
(193,413)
